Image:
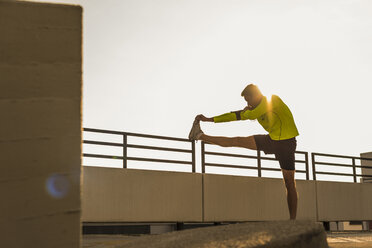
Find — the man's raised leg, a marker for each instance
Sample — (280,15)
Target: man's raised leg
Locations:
(245,142)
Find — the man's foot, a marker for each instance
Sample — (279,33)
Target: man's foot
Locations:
(195,132)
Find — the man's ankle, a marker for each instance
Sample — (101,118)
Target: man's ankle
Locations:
(200,136)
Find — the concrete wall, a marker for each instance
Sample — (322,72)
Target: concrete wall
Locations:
(238,198)
(127,195)
(338,201)
(40,128)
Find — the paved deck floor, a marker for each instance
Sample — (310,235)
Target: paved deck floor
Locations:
(301,234)
(335,240)
(349,239)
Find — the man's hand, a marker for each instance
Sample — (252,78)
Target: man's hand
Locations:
(203,118)
(248,107)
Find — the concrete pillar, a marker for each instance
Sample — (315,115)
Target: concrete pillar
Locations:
(367,225)
(333,226)
(340,225)
(40,127)
(366,163)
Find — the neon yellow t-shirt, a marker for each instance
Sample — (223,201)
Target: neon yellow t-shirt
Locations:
(274,116)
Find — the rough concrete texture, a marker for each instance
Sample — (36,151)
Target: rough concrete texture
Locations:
(132,195)
(40,131)
(242,198)
(274,234)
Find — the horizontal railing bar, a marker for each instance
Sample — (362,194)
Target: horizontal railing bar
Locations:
(157,137)
(300,171)
(360,175)
(232,166)
(334,173)
(246,167)
(364,166)
(340,156)
(90,165)
(274,159)
(343,165)
(101,156)
(275,169)
(333,164)
(300,152)
(102,131)
(91,142)
(246,156)
(333,155)
(300,161)
(230,155)
(341,174)
(135,134)
(158,160)
(159,148)
(270,169)
(135,158)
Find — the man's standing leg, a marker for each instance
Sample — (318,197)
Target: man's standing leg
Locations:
(290,184)
(250,143)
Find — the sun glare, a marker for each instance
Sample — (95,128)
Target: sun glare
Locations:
(266,92)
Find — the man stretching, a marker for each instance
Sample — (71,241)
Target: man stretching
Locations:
(276,118)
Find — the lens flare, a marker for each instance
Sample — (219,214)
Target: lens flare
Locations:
(57,185)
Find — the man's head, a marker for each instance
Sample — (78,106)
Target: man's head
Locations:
(252,95)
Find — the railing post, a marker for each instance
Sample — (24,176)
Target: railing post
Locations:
(313,163)
(125,142)
(203,156)
(354,170)
(307,165)
(193,155)
(259,163)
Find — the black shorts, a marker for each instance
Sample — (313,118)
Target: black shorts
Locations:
(284,150)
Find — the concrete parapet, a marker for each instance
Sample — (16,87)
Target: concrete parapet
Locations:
(341,201)
(130,195)
(241,198)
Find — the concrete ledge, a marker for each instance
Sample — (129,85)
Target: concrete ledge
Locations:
(342,201)
(240,198)
(299,234)
(130,195)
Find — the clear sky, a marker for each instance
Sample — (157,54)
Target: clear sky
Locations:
(150,66)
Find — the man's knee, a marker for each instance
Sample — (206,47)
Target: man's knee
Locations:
(246,142)
(290,185)
(289,180)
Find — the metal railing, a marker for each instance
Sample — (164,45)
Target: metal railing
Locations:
(258,159)
(352,165)
(124,144)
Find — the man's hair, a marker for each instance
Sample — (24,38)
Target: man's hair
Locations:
(251,90)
